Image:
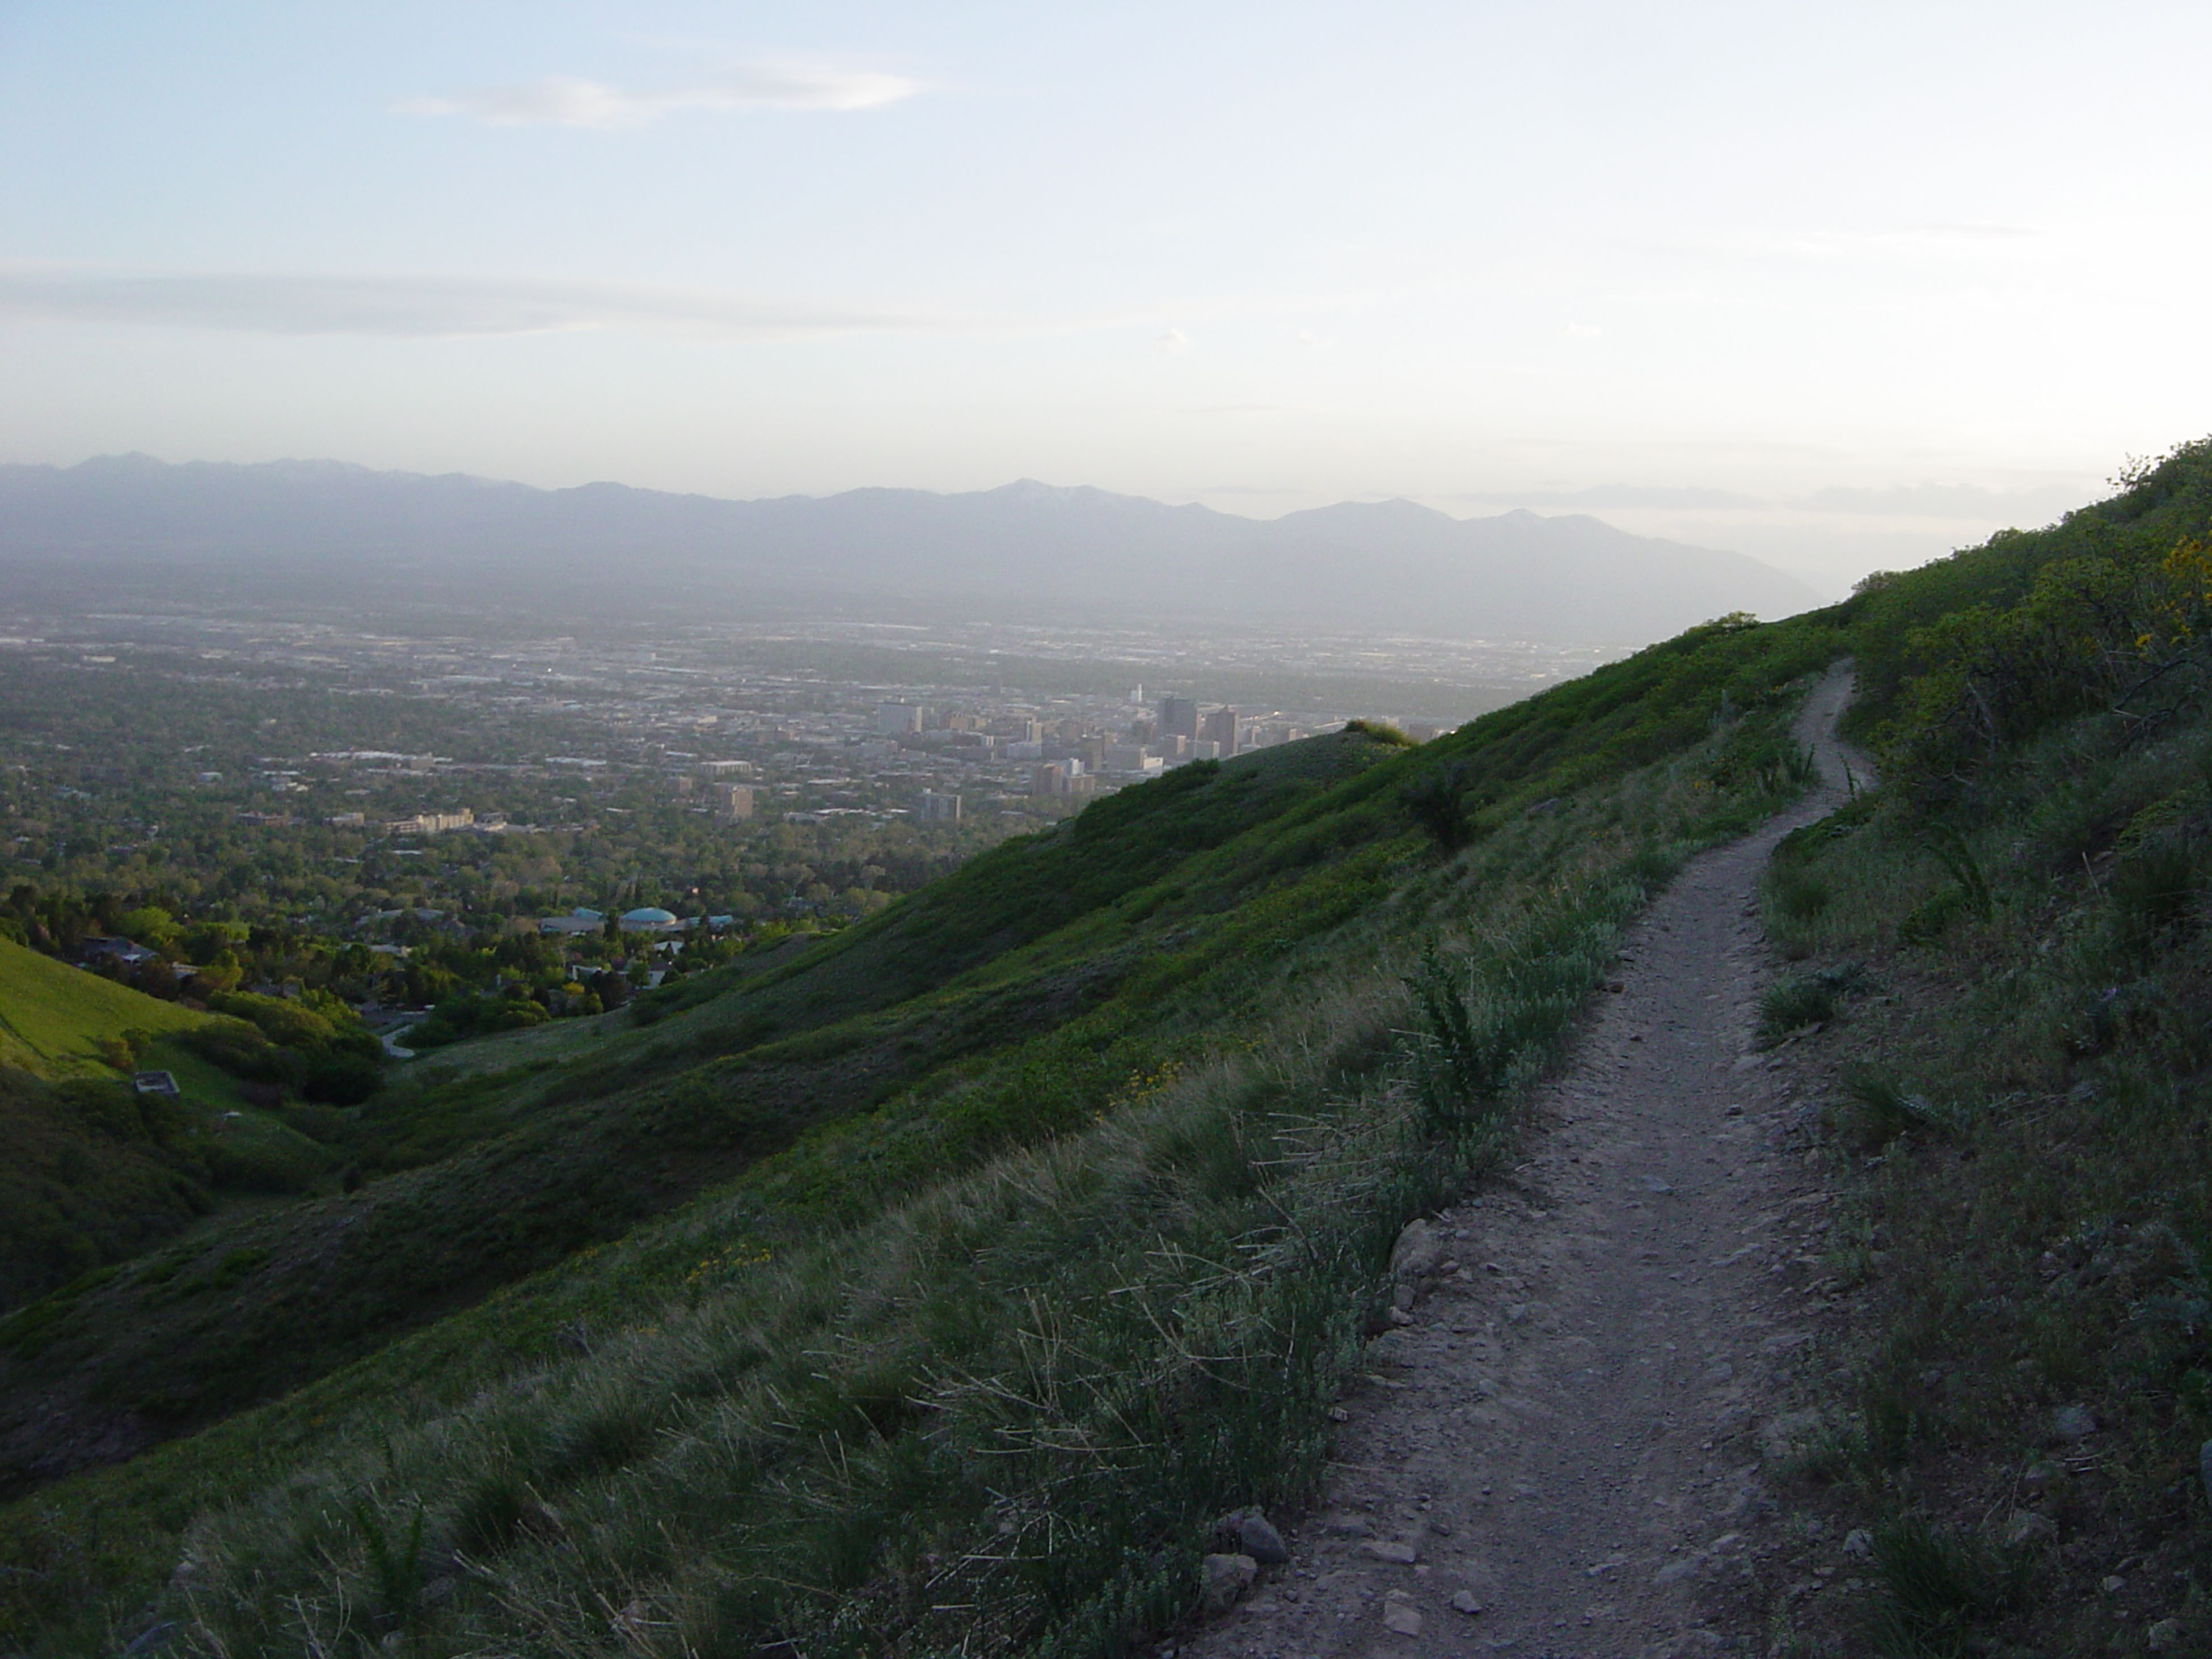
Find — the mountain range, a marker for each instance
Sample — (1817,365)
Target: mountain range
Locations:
(325,530)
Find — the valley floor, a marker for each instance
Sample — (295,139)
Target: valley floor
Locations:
(1566,1450)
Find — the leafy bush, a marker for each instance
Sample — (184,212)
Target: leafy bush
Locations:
(1435,800)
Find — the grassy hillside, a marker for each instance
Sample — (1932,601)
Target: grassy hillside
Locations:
(938,1287)
(1078,1131)
(2027,1120)
(91,1176)
(58,1022)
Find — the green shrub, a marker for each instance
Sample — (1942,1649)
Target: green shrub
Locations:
(1436,801)
(1798,897)
(2156,887)
(1883,1111)
(1804,1000)
(1937,1587)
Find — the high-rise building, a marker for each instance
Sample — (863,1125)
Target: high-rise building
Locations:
(896,720)
(934,808)
(733,802)
(1178,718)
(1220,727)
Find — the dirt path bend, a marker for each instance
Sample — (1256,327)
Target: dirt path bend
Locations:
(1569,1435)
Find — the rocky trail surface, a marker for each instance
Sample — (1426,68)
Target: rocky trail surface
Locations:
(1562,1453)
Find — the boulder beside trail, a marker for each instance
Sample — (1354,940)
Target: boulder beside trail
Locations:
(1221,1579)
(1417,1252)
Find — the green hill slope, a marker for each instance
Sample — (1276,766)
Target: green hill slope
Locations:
(2025,1137)
(937,1288)
(90,1176)
(56,1021)
(1053,1065)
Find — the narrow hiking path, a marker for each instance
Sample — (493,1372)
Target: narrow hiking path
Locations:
(1561,1454)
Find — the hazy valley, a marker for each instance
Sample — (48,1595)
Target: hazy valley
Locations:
(645,1216)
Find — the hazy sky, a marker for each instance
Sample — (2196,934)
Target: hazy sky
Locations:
(1843,285)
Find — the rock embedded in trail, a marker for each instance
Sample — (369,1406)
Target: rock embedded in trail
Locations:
(2072,1424)
(1400,1615)
(1221,1579)
(1255,1537)
(1401,1554)
(1417,1252)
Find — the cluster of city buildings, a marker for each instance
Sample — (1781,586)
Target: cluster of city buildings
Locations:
(1074,759)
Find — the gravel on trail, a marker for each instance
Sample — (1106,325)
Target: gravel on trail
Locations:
(1564,1452)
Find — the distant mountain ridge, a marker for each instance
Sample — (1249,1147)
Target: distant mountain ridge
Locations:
(329,529)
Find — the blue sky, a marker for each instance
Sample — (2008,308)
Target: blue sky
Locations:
(1840,285)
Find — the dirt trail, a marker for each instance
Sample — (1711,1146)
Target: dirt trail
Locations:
(1569,1435)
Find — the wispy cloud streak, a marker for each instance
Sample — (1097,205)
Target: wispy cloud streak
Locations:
(435,306)
(429,306)
(564,101)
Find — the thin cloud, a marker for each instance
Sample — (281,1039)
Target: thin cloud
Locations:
(565,101)
(431,308)
(1899,241)
(2027,503)
(1617,497)
(1942,501)
(416,307)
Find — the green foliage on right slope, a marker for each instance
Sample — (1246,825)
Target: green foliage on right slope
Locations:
(2025,910)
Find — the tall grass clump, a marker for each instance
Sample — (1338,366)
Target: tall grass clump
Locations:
(1801,1001)
(1938,1586)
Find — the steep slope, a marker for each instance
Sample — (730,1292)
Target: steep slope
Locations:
(1091,989)
(90,1173)
(319,528)
(56,1021)
(572,1157)
(1560,1428)
(982,1363)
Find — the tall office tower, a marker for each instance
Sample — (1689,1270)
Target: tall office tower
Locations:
(1178,718)
(895,719)
(1220,727)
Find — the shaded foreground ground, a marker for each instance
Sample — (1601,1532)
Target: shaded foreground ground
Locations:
(1564,1452)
